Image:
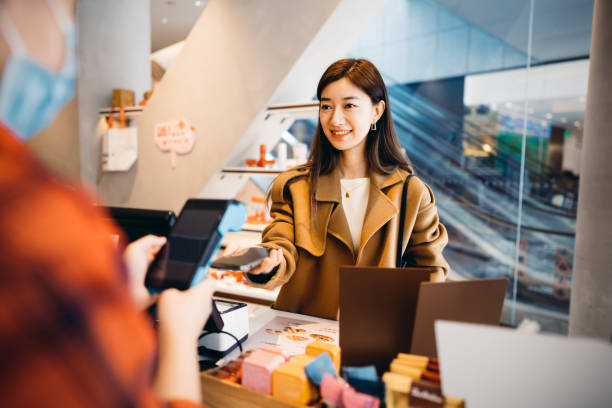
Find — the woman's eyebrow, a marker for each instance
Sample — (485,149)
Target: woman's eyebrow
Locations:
(344,99)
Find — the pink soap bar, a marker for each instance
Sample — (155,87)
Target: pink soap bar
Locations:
(275,350)
(354,399)
(257,370)
(332,389)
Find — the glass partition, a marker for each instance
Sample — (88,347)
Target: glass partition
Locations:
(488,101)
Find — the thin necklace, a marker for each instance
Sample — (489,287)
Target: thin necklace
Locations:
(348,195)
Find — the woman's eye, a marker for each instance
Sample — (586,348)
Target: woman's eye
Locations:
(350,106)
(325,107)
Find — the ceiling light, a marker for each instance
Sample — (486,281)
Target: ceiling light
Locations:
(197,3)
(508,105)
(486,147)
(563,119)
(548,116)
(164,20)
(577,124)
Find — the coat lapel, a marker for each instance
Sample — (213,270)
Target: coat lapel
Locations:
(328,190)
(380,207)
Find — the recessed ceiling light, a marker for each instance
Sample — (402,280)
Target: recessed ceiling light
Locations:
(548,116)
(508,105)
(197,3)
(164,20)
(577,124)
(486,147)
(563,119)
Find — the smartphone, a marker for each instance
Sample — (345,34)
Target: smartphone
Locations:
(193,240)
(242,262)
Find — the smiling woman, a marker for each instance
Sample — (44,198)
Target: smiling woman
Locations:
(347,114)
(342,206)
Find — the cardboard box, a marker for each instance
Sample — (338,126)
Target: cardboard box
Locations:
(123,98)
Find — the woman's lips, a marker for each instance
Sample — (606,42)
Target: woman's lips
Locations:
(339,134)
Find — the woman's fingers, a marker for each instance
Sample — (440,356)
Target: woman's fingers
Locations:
(271,262)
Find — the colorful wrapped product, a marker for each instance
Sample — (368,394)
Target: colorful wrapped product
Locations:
(289,382)
(317,347)
(257,370)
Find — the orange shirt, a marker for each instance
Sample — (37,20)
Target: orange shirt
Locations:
(70,334)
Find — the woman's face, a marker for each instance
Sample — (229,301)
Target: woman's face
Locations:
(346,114)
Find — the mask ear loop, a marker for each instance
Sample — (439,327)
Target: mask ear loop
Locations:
(68,27)
(61,17)
(11,35)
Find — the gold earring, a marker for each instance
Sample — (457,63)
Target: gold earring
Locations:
(373,126)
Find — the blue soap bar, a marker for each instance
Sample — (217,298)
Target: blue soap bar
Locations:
(366,373)
(318,367)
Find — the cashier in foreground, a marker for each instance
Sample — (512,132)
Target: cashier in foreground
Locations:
(71,330)
(342,206)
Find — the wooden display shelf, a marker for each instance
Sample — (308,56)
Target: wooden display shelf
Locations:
(217,393)
(130,111)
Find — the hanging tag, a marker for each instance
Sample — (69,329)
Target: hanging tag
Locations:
(175,136)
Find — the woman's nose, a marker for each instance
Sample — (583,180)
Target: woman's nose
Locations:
(337,117)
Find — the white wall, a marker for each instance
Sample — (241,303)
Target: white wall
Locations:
(113,49)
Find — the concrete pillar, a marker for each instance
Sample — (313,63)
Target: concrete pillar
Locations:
(591,298)
(113,48)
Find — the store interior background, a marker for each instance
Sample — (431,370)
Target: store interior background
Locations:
(487,97)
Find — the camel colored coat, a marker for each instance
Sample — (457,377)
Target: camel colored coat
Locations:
(313,252)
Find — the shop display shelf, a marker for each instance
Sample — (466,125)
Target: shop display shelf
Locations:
(130,111)
(251,170)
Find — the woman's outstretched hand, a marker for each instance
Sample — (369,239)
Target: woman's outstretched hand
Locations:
(266,266)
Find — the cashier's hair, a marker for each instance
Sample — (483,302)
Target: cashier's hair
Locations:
(384,153)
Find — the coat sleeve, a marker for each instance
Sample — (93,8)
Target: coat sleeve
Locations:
(429,236)
(279,235)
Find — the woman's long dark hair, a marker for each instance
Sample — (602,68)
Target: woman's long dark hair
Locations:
(383,150)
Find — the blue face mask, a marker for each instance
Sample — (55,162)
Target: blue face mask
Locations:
(30,94)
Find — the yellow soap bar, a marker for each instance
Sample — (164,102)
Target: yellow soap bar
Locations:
(413,360)
(317,347)
(399,367)
(289,383)
(453,402)
(397,389)
(302,359)
(397,382)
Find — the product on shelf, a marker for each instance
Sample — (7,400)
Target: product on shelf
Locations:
(312,378)
(257,370)
(318,367)
(317,347)
(415,381)
(122,98)
(289,382)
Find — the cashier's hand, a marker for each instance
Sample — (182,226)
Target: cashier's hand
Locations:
(137,256)
(266,266)
(182,314)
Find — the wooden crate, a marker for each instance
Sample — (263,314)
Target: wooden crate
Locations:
(217,393)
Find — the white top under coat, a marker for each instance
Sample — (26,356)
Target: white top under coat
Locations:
(355,205)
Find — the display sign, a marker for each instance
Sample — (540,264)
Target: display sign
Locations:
(175,136)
